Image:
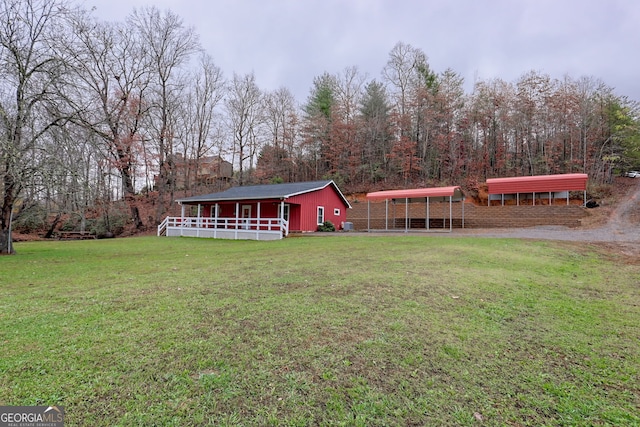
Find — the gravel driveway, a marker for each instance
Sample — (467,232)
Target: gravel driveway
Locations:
(623,226)
(619,234)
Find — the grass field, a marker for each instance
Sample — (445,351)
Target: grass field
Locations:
(340,331)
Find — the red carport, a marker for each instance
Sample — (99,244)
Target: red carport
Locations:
(417,195)
(556,186)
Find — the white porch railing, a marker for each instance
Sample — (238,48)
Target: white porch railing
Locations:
(225,228)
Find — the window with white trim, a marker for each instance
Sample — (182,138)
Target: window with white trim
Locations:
(336,211)
(320,215)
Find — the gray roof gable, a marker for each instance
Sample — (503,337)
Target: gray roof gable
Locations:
(266,191)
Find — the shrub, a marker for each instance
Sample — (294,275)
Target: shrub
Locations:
(326,226)
(31,219)
(112,222)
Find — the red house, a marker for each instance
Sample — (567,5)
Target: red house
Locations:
(260,212)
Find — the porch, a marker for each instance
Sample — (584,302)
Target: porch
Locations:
(225,228)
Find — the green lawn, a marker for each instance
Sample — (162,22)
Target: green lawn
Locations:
(340,331)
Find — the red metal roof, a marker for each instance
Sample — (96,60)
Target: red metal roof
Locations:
(454,192)
(538,183)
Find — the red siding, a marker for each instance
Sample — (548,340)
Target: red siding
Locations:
(538,184)
(303,209)
(309,202)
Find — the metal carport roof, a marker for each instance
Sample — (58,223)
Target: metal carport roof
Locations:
(414,195)
(538,184)
(419,193)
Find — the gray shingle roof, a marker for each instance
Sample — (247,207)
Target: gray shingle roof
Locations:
(267,191)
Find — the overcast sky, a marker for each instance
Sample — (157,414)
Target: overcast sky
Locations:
(289,42)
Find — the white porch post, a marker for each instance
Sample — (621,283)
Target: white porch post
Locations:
(235,235)
(215,221)
(282,220)
(183,210)
(258,222)
(368,215)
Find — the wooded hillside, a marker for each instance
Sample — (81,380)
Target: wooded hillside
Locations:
(94,117)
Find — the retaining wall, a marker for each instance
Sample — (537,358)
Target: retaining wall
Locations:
(474,216)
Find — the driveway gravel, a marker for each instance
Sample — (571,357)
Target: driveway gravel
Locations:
(623,226)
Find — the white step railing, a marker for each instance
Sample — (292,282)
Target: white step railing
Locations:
(162,228)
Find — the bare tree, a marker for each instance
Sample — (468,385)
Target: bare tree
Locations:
(169,46)
(375,133)
(245,114)
(30,72)
(412,85)
(198,115)
(345,146)
(277,157)
(112,82)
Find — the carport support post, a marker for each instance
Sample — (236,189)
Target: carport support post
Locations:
(450,213)
(386,214)
(406,214)
(427,218)
(444,216)
(368,215)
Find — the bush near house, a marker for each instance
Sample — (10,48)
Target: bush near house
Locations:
(327,226)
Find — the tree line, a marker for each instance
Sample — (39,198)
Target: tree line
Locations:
(94,113)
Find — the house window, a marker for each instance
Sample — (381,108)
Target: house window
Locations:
(215,211)
(320,215)
(336,212)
